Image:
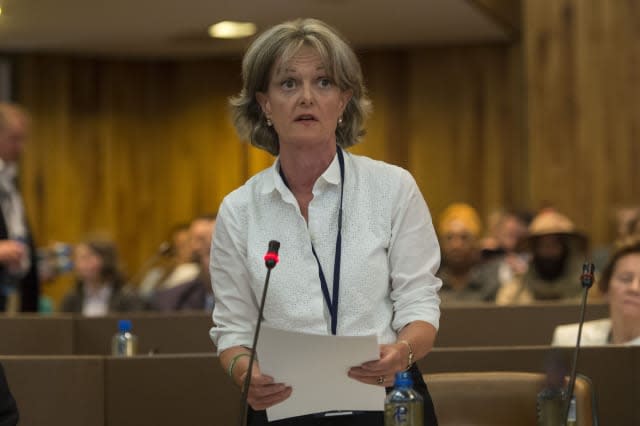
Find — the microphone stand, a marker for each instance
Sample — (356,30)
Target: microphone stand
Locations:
(270,261)
(586,279)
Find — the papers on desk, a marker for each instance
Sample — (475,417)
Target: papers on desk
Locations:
(316,367)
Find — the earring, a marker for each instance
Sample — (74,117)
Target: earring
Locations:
(339,120)
(269,123)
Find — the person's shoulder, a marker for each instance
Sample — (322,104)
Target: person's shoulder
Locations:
(593,333)
(237,201)
(379,171)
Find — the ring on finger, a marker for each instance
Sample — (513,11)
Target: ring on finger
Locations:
(380,380)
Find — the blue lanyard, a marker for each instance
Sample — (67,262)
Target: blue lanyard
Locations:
(332,304)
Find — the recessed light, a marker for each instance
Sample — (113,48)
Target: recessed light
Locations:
(232,29)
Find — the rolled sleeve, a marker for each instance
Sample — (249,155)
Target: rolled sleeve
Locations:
(414,258)
(235,308)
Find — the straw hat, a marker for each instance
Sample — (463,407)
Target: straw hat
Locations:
(551,222)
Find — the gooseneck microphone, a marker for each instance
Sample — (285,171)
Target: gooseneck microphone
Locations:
(586,279)
(271,259)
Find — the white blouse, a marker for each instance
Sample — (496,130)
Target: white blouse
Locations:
(390,255)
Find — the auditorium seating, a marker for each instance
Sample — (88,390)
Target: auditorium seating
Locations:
(183,377)
(193,389)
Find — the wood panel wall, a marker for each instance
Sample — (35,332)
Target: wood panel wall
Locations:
(583,107)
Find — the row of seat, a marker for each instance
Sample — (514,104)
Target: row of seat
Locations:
(464,326)
(192,389)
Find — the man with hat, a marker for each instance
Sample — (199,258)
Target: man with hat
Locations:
(557,251)
(459,230)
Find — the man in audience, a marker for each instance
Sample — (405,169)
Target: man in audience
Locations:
(197,293)
(19,287)
(557,252)
(458,230)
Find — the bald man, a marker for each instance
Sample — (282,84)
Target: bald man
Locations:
(18,272)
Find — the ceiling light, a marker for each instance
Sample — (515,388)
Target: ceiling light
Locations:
(232,29)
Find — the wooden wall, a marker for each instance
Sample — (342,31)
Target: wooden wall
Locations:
(583,107)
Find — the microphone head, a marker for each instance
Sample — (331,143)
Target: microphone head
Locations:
(271,259)
(274,246)
(586,279)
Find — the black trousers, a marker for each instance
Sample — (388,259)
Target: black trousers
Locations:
(368,418)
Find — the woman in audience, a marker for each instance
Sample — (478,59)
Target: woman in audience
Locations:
(175,266)
(620,283)
(100,286)
(363,222)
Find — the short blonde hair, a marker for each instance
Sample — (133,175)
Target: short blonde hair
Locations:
(281,42)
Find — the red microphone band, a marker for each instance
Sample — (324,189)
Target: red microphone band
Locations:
(271,258)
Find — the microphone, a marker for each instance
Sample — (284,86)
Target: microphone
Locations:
(271,259)
(586,279)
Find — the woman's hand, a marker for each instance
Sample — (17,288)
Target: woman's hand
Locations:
(263,392)
(393,358)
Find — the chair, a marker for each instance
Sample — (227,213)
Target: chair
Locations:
(499,398)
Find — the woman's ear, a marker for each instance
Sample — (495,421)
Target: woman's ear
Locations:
(345,97)
(263,101)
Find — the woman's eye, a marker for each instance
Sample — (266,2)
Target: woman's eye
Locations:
(324,82)
(289,83)
(625,278)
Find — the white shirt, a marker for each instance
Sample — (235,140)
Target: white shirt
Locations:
(594,333)
(390,254)
(96,304)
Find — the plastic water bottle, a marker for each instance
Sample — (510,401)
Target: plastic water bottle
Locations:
(403,406)
(124,343)
(550,404)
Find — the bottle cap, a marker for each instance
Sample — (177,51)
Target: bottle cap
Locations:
(124,326)
(404,380)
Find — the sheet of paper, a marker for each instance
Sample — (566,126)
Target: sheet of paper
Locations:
(316,367)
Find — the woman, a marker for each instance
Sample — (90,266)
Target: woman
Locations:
(345,222)
(620,283)
(100,285)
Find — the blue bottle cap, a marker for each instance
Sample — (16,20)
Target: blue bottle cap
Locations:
(124,326)
(404,380)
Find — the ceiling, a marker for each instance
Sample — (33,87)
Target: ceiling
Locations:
(179,28)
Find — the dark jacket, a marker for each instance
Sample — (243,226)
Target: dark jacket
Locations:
(123,299)
(29,285)
(8,408)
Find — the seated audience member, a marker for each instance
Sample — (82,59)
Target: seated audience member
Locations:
(626,221)
(557,252)
(502,253)
(620,283)
(100,286)
(458,230)
(195,294)
(177,267)
(508,229)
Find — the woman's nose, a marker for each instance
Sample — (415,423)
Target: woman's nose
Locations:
(306,95)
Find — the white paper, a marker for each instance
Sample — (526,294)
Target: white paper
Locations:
(316,367)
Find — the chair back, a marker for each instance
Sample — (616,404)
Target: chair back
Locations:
(499,398)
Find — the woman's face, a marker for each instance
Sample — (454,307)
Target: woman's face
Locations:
(302,100)
(624,287)
(87,263)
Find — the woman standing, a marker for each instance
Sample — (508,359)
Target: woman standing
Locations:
(358,247)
